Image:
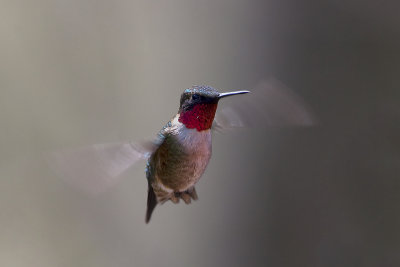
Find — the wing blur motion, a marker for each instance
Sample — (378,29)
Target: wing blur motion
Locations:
(270,104)
(94,168)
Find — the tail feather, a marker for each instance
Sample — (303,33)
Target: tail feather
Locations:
(151,203)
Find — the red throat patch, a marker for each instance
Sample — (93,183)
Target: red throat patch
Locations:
(201,116)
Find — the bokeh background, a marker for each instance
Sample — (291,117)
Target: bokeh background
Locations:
(74,73)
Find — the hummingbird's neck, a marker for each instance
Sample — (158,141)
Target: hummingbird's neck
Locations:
(200,117)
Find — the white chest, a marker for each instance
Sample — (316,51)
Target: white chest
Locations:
(197,149)
(194,140)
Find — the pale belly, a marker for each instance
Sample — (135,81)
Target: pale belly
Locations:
(191,169)
(183,160)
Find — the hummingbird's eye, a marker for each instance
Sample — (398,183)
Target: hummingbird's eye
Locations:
(195,97)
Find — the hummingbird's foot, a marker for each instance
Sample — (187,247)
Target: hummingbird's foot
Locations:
(175,198)
(186,197)
(192,193)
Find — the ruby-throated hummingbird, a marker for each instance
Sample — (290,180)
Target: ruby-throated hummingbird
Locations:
(179,156)
(184,148)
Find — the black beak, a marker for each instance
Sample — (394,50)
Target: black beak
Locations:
(221,95)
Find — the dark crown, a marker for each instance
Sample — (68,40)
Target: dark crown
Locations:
(198,94)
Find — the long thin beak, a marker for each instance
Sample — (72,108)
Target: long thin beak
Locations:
(221,95)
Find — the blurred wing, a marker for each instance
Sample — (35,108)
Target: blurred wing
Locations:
(95,168)
(270,104)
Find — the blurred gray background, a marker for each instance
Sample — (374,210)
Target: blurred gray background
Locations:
(74,73)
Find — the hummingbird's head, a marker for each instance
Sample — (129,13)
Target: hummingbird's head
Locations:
(198,106)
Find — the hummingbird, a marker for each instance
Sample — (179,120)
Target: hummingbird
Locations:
(184,148)
(180,153)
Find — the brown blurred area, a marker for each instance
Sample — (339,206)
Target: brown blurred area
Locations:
(75,73)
